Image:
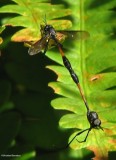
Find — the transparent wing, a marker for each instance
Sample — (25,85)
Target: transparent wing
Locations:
(37,47)
(74,35)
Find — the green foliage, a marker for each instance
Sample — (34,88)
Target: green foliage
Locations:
(95,65)
(31,14)
(10,120)
(92,60)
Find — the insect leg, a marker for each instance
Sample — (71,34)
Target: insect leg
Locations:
(89,129)
(46,46)
(78,135)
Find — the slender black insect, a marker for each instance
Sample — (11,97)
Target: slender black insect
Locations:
(51,38)
(92,116)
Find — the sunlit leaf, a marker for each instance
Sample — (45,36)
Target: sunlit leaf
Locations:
(30,14)
(93,61)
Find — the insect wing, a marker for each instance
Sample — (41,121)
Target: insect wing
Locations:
(37,47)
(74,35)
(61,36)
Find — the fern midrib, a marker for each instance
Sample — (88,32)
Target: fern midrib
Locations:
(32,13)
(82,49)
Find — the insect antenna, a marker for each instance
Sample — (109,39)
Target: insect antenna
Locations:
(45,19)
